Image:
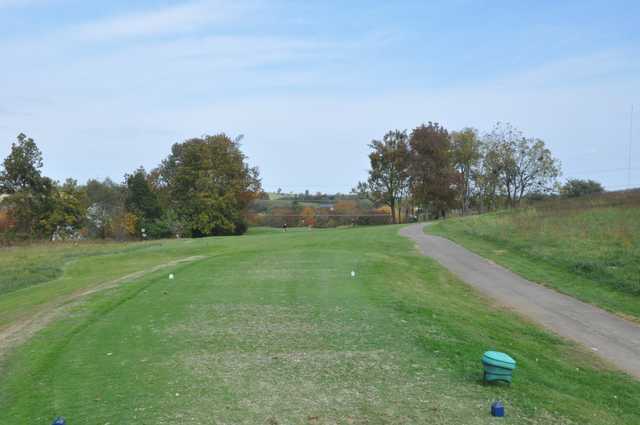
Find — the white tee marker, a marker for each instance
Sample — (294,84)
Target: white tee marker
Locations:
(170,276)
(353,274)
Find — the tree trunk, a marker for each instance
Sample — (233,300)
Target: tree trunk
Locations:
(393,212)
(465,193)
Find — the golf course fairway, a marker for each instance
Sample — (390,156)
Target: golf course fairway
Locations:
(272,328)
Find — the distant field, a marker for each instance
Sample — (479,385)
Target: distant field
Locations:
(270,328)
(587,248)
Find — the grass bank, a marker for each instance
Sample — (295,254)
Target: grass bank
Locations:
(37,277)
(271,328)
(589,251)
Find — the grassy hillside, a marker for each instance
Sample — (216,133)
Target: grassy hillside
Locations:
(42,277)
(271,328)
(588,248)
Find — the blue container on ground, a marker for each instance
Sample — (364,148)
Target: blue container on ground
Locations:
(498,366)
(59,421)
(497,409)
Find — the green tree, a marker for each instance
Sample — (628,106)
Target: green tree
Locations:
(525,165)
(32,196)
(574,188)
(434,179)
(466,156)
(146,196)
(486,177)
(141,200)
(69,211)
(389,176)
(210,184)
(160,188)
(21,171)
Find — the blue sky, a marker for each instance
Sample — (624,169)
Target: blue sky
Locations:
(105,87)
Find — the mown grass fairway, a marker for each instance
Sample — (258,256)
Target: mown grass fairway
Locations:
(270,328)
(589,253)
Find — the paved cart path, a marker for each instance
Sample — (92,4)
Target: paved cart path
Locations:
(613,338)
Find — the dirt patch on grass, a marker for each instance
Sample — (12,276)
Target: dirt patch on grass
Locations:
(248,322)
(22,330)
(295,364)
(261,327)
(331,387)
(317,384)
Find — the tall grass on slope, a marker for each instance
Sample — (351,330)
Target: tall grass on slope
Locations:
(596,239)
(24,266)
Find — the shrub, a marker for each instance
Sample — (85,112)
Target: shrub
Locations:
(577,187)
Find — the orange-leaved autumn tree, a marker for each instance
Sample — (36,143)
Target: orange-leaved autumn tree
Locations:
(346,207)
(308,216)
(6,222)
(389,178)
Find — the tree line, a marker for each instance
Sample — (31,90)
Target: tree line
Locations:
(432,171)
(202,188)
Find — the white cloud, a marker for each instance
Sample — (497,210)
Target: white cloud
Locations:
(583,69)
(167,20)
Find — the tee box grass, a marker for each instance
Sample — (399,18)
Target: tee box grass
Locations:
(272,328)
